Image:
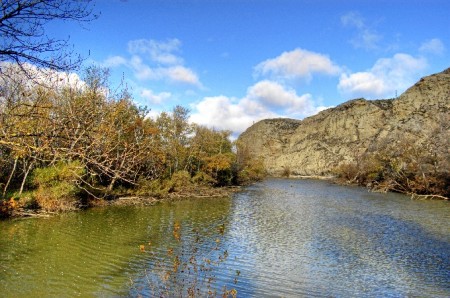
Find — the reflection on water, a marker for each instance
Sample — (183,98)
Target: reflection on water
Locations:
(287,238)
(317,239)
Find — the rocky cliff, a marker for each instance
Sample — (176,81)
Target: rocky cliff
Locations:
(316,145)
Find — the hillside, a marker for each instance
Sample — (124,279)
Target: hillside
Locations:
(319,144)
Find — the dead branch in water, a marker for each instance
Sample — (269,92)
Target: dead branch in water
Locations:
(428,197)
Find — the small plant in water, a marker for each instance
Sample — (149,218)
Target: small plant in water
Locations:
(188,269)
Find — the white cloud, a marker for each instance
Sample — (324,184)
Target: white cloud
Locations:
(362,84)
(265,99)
(366,37)
(222,112)
(433,46)
(274,95)
(114,61)
(182,74)
(353,19)
(29,76)
(141,70)
(157,51)
(155,98)
(298,63)
(387,76)
(175,74)
(155,60)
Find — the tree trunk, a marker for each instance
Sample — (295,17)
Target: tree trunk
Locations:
(25,178)
(10,177)
(111,185)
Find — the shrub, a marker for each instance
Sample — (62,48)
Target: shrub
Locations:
(202,178)
(252,170)
(347,172)
(180,181)
(57,186)
(286,172)
(367,169)
(151,188)
(28,201)
(401,165)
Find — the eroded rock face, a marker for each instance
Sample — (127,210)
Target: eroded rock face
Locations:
(316,145)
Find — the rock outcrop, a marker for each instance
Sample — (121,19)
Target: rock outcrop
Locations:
(316,145)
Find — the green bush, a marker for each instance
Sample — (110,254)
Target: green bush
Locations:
(57,186)
(152,188)
(202,178)
(253,170)
(180,181)
(60,172)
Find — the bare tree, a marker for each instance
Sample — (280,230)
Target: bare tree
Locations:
(23,38)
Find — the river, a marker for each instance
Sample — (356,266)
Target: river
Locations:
(277,238)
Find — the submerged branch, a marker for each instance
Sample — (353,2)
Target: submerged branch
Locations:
(428,197)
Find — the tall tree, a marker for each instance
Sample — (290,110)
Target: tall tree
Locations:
(175,133)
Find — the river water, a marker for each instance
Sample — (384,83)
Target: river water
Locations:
(277,238)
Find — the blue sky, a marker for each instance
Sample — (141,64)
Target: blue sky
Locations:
(235,62)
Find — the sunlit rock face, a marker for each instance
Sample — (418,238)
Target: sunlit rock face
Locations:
(316,145)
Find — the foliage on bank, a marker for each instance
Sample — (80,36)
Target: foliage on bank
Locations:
(61,146)
(403,164)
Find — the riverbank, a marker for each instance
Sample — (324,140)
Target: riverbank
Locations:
(372,187)
(200,193)
(14,209)
(315,177)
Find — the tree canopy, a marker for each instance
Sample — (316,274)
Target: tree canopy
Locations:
(96,140)
(65,139)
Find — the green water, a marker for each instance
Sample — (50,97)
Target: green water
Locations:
(286,238)
(94,252)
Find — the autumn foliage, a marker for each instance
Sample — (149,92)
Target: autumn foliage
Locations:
(403,164)
(87,140)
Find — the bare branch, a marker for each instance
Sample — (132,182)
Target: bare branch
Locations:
(22,32)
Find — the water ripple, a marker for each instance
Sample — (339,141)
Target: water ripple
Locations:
(283,238)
